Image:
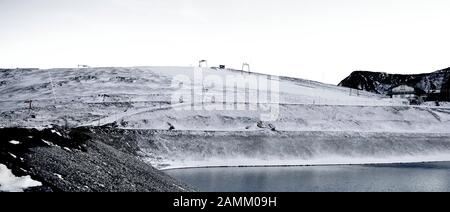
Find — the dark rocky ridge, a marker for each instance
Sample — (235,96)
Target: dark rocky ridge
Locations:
(381,83)
(72,160)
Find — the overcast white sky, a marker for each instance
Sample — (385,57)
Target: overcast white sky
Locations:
(322,40)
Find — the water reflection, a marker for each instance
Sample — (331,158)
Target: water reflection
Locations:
(397,177)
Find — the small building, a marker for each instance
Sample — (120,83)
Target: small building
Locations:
(413,95)
(403,92)
(222,66)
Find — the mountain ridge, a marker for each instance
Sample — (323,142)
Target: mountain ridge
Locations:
(382,83)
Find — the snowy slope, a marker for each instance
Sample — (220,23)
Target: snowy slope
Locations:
(141,97)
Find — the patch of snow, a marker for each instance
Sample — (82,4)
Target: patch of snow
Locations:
(56,132)
(14,142)
(11,183)
(59,176)
(49,143)
(12,155)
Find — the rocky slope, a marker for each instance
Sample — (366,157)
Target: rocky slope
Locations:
(381,83)
(72,160)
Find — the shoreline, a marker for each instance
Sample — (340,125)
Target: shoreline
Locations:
(311,165)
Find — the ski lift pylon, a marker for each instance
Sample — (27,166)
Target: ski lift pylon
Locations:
(246,67)
(203,64)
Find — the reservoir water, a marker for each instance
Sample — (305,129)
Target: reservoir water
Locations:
(433,177)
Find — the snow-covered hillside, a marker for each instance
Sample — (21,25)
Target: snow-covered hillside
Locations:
(179,120)
(142,97)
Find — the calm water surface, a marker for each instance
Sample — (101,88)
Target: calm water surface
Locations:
(396,177)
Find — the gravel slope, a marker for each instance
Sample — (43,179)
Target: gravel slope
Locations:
(72,161)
